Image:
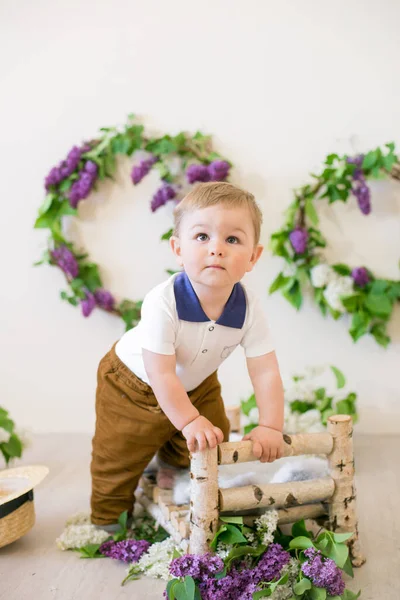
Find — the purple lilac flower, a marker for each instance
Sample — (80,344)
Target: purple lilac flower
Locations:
(161,197)
(238,584)
(323,572)
(142,169)
(66,260)
(360,189)
(88,304)
(128,551)
(67,166)
(197,172)
(218,170)
(82,187)
(104,299)
(360,276)
(363,195)
(202,567)
(271,562)
(299,238)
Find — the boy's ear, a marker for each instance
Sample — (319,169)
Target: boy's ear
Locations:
(176,249)
(258,250)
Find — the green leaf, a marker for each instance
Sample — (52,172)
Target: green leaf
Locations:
(301,406)
(232,535)
(236,520)
(348,567)
(293,294)
(352,303)
(123,519)
(170,588)
(341,537)
(378,305)
(301,543)
(337,552)
(189,587)
(349,595)
(243,551)
(311,212)
(379,333)
(262,594)
(299,529)
(316,593)
(278,282)
(359,325)
(90,551)
(340,378)
(48,201)
(65,185)
(301,586)
(167,234)
(379,286)
(247,405)
(89,273)
(248,428)
(14,446)
(370,159)
(342,269)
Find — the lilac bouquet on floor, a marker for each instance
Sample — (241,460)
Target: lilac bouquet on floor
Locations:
(259,563)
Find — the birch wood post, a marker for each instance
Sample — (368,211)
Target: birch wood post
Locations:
(342,506)
(204,500)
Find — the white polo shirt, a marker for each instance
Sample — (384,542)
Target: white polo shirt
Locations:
(173,322)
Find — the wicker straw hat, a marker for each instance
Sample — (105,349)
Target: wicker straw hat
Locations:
(17,513)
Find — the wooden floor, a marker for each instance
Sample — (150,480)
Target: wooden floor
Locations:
(34,569)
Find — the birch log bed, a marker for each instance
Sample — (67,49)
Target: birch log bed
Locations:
(331,499)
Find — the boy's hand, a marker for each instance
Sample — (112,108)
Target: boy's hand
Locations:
(201,432)
(267,443)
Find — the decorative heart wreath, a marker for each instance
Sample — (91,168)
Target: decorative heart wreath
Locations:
(181,161)
(338,288)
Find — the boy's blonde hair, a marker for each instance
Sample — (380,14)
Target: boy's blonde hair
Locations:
(208,194)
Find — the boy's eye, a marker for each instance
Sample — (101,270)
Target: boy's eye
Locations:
(202,237)
(232,239)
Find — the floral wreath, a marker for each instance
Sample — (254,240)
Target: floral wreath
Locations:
(338,289)
(181,160)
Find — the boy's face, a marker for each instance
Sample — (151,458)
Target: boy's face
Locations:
(216,245)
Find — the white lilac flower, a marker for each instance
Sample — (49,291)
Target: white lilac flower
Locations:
(321,275)
(307,422)
(300,390)
(77,536)
(155,562)
(310,421)
(4,436)
(342,286)
(253,415)
(266,525)
(223,550)
(80,518)
(284,592)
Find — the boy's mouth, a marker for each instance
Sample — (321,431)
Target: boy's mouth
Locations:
(215,267)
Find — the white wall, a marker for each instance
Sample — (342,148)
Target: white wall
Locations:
(279,84)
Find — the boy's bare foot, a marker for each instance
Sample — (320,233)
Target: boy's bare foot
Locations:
(165,478)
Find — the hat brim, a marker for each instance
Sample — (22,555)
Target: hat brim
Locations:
(16,482)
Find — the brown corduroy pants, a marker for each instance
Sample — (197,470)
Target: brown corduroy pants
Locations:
(131,428)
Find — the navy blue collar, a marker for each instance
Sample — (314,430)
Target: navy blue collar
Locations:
(189,308)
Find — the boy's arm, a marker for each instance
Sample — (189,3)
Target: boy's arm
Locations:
(175,403)
(266,380)
(268,389)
